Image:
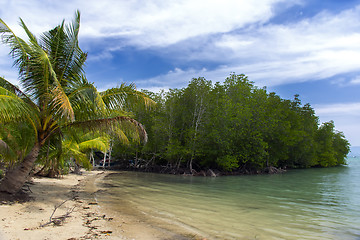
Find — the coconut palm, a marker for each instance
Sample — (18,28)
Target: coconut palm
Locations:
(55,95)
(16,140)
(59,153)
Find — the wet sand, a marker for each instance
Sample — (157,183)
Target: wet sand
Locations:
(78,215)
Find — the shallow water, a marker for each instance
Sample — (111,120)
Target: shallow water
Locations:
(300,204)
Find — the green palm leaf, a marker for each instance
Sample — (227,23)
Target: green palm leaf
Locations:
(56,99)
(19,48)
(6,153)
(124,96)
(13,108)
(99,143)
(126,124)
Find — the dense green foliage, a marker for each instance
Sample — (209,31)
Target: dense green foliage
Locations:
(57,118)
(46,118)
(234,126)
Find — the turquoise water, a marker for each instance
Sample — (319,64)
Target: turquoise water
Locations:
(300,204)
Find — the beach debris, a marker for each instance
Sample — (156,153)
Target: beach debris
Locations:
(27,188)
(57,221)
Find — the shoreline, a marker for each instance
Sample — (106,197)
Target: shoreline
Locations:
(71,203)
(60,208)
(130,223)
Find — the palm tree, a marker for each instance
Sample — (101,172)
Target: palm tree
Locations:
(16,140)
(75,148)
(55,95)
(78,151)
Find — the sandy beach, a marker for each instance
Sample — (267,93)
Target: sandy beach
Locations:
(77,214)
(70,202)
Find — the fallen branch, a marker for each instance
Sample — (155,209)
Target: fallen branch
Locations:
(28,188)
(58,220)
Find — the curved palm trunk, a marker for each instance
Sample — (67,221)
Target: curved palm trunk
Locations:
(16,178)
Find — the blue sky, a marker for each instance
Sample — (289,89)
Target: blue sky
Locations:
(305,47)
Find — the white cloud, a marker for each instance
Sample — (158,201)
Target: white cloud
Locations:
(234,33)
(345,116)
(316,48)
(355,81)
(272,73)
(176,78)
(144,23)
(339,109)
(161,23)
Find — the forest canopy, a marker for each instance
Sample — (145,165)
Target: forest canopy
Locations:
(232,126)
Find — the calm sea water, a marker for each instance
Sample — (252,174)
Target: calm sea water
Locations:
(300,204)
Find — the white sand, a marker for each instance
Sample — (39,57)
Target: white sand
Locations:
(23,220)
(87,219)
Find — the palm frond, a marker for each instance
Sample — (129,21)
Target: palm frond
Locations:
(75,57)
(63,47)
(6,152)
(14,89)
(138,97)
(86,100)
(125,96)
(109,125)
(38,74)
(99,143)
(13,108)
(121,136)
(71,150)
(48,86)
(16,140)
(18,47)
(35,71)
(30,35)
(61,103)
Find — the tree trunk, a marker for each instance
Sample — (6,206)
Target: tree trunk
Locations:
(109,154)
(91,158)
(190,165)
(104,160)
(16,178)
